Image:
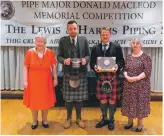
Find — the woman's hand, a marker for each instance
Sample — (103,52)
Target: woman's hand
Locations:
(55,82)
(131,79)
(25,84)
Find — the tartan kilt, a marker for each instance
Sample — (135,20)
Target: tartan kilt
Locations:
(119,89)
(75,94)
(115,86)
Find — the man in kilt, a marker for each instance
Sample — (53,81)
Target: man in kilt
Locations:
(107,100)
(74,46)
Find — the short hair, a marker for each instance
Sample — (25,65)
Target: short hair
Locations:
(104,28)
(71,22)
(135,39)
(40,35)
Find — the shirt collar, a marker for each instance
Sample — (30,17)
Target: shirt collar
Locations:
(105,43)
(73,38)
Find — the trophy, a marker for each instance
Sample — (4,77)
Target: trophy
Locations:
(75,62)
(74,80)
(106,64)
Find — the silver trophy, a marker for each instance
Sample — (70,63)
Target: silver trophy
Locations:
(106,64)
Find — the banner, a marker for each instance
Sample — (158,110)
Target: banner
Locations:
(22,20)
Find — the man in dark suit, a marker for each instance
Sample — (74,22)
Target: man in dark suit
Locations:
(107,49)
(74,46)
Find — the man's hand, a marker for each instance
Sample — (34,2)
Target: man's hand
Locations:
(96,69)
(83,61)
(67,61)
(115,68)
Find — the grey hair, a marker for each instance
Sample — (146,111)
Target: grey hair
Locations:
(136,39)
(40,35)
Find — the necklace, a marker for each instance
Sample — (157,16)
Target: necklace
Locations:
(41,61)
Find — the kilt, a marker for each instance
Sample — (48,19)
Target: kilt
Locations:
(115,86)
(75,94)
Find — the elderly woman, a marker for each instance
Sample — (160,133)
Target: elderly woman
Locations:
(136,93)
(39,94)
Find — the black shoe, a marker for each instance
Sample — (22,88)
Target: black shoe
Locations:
(102,123)
(34,126)
(111,125)
(139,129)
(128,126)
(45,125)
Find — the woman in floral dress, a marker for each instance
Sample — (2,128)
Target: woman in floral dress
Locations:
(136,93)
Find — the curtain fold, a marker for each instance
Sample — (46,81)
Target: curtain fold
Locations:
(12,59)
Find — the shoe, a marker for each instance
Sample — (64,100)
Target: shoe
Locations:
(128,126)
(45,125)
(139,129)
(102,123)
(111,125)
(34,126)
(67,123)
(80,123)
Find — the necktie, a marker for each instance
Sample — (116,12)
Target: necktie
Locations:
(105,45)
(73,42)
(73,48)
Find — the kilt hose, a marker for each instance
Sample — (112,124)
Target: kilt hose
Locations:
(75,94)
(115,86)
